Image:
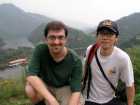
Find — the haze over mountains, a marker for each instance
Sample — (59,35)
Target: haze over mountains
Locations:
(16,24)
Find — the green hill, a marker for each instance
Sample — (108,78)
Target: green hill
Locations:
(129,27)
(76,38)
(14,22)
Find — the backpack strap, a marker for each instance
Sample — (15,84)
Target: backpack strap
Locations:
(87,70)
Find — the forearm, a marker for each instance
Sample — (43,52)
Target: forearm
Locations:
(74,99)
(130,95)
(40,87)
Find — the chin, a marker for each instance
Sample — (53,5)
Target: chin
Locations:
(106,46)
(56,50)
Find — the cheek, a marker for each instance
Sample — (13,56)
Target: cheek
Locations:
(48,42)
(114,39)
(61,43)
(98,39)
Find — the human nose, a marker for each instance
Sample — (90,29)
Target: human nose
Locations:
(56,41)
(104,37)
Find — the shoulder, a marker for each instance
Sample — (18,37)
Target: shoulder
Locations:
(74,55)
(41,47)
(121,54)
(88,49)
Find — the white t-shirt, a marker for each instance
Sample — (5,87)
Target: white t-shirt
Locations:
(117,65)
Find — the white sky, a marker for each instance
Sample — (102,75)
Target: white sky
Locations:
(86,11)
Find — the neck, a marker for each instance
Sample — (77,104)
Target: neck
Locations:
(106,51)
(59,56)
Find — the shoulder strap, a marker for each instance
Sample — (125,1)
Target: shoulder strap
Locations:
(102,71)
(87,71)
(92,53)
(89,58)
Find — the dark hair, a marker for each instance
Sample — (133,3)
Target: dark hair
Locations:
(55,26)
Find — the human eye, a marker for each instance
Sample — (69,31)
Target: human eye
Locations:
(51,37)
(61,37)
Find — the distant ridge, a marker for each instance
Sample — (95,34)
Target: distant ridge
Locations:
(15,23)
(129,27)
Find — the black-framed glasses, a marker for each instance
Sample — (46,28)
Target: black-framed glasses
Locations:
(52,37)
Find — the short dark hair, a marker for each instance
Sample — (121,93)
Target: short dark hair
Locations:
(55,26)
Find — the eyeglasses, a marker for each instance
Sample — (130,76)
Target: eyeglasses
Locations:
(52,37)
(105,34)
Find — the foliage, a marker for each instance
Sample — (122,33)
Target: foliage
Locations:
(12,92)
(132,42)
(76,38)
(135,55)
(129,27)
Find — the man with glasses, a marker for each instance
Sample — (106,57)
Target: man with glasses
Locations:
(115,64)
(55,71)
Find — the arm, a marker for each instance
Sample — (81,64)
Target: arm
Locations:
(127,76)
(75,83)
(40,87)
(74,99)
(130,95)
(34,80)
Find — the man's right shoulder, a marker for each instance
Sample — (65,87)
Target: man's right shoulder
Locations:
(41,46)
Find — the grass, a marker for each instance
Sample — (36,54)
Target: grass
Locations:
(12,92)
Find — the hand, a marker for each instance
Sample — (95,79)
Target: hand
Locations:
(75,99)
(53,102)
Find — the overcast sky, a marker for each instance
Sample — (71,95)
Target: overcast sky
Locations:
(86,11)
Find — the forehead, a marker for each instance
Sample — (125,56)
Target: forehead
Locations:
(56,32)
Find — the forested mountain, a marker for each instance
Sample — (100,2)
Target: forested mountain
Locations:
(20,25)
(14,22)
(129,27)
(17,24)
(76,38)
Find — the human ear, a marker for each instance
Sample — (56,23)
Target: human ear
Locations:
(116,41)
